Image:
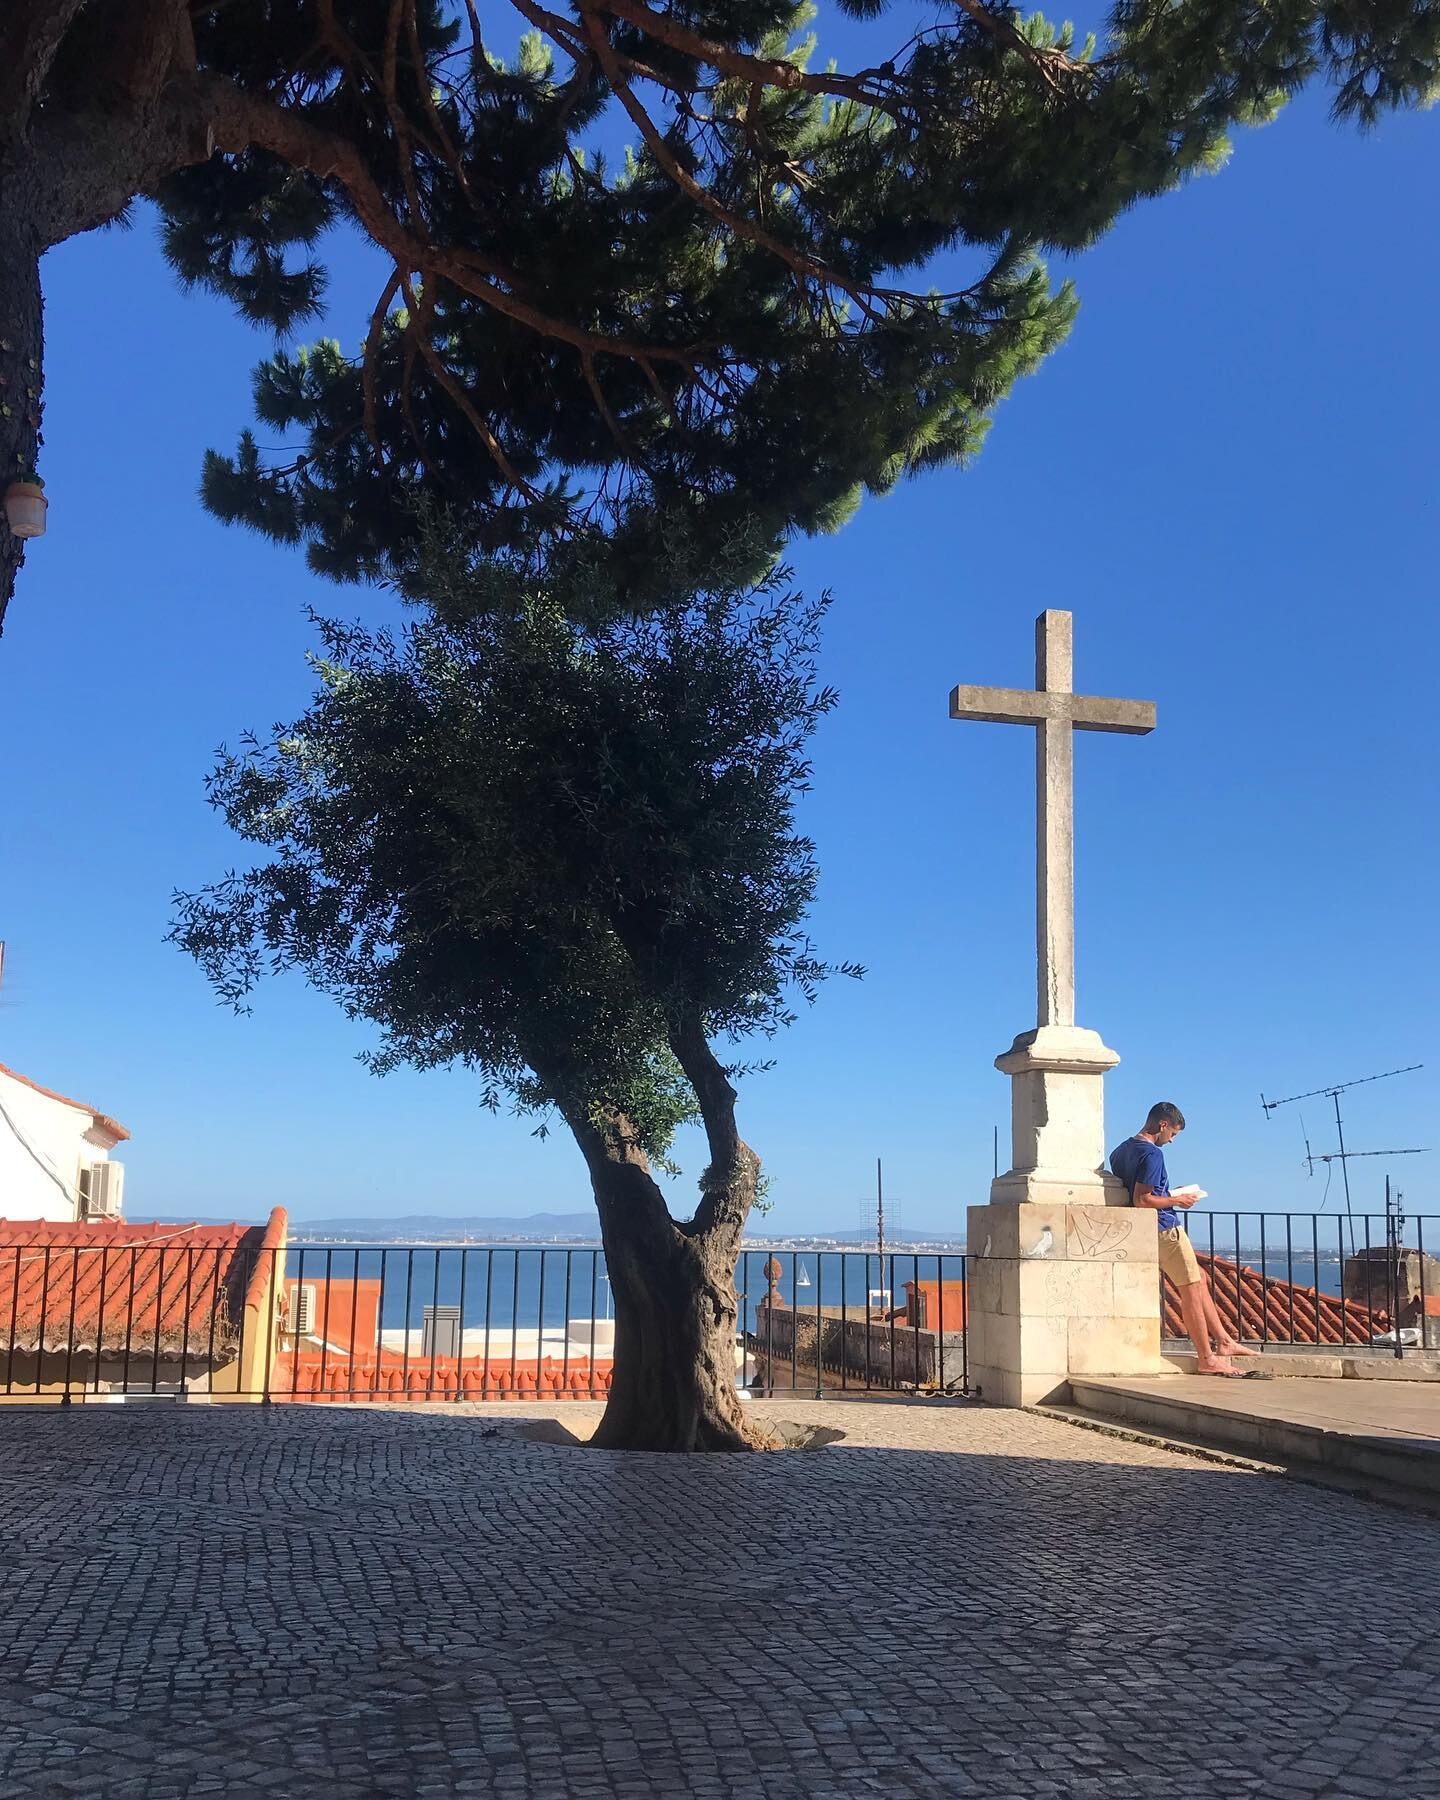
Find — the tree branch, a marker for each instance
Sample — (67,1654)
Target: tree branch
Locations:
(773,72)
(87,167)
(372,350)
(802,265)
(730,1179)
(242,120)
(420,311)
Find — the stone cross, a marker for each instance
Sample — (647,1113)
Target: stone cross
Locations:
(1057,712)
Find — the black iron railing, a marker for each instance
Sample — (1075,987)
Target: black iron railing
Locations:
(395,1322)
(840,1321)
(1322,1280)
(149,1317)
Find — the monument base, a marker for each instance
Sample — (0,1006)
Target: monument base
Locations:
(1059,1290)
(1057,1120)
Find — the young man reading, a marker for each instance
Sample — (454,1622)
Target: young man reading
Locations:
(1140,1164)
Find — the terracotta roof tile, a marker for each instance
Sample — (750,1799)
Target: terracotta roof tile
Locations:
(109,1282)
(1258,1308)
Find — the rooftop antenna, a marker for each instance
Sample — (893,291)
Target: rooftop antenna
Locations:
(882,1293)
(1342,1155)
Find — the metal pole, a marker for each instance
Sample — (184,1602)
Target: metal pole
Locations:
(1344,1170)
(1394,1227)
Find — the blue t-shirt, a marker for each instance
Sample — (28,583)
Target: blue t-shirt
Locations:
(1136,1161)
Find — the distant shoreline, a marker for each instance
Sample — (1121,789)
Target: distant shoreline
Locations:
(797,1246)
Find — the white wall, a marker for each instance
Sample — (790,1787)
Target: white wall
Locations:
(43,1142)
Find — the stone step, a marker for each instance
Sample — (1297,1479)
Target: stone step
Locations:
(1333,1363)
(1391,1450)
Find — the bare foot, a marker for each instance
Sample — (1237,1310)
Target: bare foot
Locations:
(1215,1368)
(1229,1347)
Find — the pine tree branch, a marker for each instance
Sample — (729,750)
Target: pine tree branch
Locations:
(870,87)
(803,266)
(1046,63)
(726,60)
(602,406)
(420,312)
(570,38)
(437,124)
(399,119)
(242,120)
(368,361)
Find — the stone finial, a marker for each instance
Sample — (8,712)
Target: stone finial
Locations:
(773,1272)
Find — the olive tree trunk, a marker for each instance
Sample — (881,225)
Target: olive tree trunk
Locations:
(673,1380)
(676,1311)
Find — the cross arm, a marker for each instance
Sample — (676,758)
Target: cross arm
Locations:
(1031,706)
(1088,712)
(1002,706)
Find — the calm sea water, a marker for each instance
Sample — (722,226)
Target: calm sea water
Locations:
(528,1285)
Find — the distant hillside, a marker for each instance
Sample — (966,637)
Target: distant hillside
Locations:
(399,1227)
(402,1228)
(438,1225)
(903,1234)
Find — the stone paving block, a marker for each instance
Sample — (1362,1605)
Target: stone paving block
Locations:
(354,1602)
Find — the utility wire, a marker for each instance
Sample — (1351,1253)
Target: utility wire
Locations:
(35,1155)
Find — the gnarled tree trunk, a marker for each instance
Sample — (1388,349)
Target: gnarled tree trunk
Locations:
(673,1383)
(676,1312)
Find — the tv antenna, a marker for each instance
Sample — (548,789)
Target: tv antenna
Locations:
(1343,1156)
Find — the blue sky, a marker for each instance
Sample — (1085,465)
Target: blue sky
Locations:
(1229,475)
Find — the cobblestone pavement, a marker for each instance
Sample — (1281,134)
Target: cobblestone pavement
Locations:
(337,1601)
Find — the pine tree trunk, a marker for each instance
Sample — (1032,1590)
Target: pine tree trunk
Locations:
(20,365)
(673,1382)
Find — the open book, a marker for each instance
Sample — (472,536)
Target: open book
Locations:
(1189,1193)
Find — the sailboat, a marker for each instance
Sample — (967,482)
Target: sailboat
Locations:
(802,1279)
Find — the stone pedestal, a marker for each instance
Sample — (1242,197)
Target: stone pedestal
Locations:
(1057,1120)
(1054,1290)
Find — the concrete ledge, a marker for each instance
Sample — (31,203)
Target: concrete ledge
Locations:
(1270,1425)
(1332,1364)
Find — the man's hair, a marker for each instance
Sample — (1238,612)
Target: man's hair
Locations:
(1164,1112)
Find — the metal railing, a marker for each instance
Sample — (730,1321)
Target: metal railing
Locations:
(1322,1280)
(398,1322)
(862,1322)
(405,1322)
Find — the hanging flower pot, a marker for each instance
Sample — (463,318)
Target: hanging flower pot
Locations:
(25,505)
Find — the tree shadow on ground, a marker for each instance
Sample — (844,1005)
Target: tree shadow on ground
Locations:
(984,1602)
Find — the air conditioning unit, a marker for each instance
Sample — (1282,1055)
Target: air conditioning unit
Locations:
(302,1315)
(102,1188)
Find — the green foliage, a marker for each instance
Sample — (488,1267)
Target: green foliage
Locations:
(533,849)
(671,372)
(229,226)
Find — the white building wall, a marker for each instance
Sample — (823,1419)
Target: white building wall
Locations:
(43,1142)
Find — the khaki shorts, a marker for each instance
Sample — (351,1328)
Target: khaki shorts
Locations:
(1177,1257)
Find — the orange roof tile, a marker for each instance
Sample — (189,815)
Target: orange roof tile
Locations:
(108,1283)
(1257,1308)
(102,1120)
